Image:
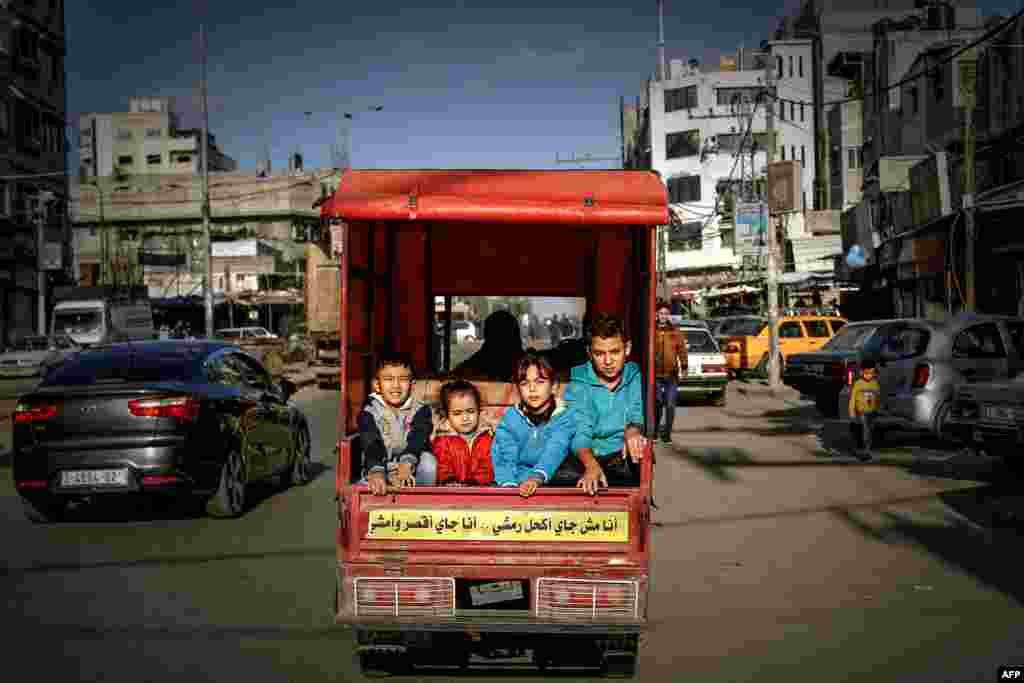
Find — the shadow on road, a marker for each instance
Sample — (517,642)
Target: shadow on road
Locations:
(966,540)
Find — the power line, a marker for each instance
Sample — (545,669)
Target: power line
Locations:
(909,79)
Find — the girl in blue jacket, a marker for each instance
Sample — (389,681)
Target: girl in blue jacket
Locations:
(533,437)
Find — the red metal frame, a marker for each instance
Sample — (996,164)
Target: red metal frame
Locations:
(573,199)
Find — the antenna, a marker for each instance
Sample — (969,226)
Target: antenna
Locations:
(662,75)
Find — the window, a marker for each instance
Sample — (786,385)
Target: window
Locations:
(782,150)
(792,111)
(851,153)
(252,372)
(792,152)
(125,161)
(980,341)
(239,277)
(729,142)
(110,365)
(791,66)
(684,189)
(684,144)
(800,66)
(184,159)
(778,67)
(850,339)
(898,341)
(803,155)
(154,159)
(790,330)
(912,92)
(122,135)
(838,325)
(801,111)
(681,98)
(219,370)
(782,110)
(5,119)
(153,132)
(817,328)
(725,97)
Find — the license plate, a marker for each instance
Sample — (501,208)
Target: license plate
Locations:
(499,591)
(113,478)
(816,368)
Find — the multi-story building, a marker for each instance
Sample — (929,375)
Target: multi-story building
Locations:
(145,139)
(846,154)
(33,185)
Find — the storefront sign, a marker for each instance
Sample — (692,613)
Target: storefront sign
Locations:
(751,229)
(491,525)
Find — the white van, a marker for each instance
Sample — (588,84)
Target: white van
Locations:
(101,321)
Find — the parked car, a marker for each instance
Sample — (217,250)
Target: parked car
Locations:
(34,355)
(464,331)
(920,362)
(706,375)
(822,374)
(746,345)
(200,419)
(239,333)
(990,417)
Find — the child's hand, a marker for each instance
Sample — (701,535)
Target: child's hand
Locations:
(528,488)
(404,476)
(378,484)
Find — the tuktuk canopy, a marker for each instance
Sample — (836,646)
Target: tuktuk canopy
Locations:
(503,196)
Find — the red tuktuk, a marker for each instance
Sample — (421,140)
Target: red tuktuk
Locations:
(569,572)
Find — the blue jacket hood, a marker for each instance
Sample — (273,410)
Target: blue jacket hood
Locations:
(603,415)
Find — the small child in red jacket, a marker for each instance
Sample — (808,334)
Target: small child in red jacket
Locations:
(463,458)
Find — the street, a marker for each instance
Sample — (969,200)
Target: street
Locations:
(777,558)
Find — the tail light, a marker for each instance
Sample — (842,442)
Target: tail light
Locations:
(714,369)
(583,600)
(851,373)
(405,597)
(27,412)
(921,374)
(160,479)
(183,408)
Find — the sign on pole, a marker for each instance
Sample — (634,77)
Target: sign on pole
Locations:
(751,229)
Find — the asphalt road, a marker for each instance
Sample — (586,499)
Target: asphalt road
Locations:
(778,558)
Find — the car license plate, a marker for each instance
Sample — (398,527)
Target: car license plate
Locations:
(112,478)
(499,591)
(816,368)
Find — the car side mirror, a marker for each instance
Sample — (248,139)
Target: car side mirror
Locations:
(288,388)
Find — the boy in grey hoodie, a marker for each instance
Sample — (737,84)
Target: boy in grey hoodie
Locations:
(394,430)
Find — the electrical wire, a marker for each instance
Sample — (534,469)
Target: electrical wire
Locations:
(989,35)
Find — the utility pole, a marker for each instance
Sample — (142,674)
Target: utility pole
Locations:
(968,66)
(771,281)
(204,157)
(662,70)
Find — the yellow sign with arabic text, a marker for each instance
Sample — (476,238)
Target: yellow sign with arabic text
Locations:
(419,524)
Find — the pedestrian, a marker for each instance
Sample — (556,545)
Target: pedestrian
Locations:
(671,361)
(533,437)
(463,458)
(502,347)
(394,430)
(865,401)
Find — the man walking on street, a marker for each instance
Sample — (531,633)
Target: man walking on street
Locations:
(670,365)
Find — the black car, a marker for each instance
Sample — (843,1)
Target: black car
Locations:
(823,373)
(182,418)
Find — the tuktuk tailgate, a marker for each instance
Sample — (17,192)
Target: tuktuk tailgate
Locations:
(554,527)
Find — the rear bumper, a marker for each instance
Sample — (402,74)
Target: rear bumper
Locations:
(462,623)
(1002,439)
(160,469)
(699,385)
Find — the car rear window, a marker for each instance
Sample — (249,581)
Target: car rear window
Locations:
(109,366)
(746,327)
(849,338)
(837,325)
(700,342)
(817,328)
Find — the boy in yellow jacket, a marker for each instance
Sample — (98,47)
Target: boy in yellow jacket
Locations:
(865,401)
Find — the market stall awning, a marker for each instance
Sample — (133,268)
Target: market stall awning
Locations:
(501,196)
(728,291)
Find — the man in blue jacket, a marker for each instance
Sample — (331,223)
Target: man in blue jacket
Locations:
(607,394)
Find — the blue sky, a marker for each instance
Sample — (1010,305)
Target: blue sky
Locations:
(484,84)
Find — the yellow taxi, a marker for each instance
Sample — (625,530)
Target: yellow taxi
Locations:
(745,345)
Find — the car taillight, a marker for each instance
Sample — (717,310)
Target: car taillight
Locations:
(28,412)
(405,597)
(714,369)
(182,408)
(851,374)
(581,599)
(921,374)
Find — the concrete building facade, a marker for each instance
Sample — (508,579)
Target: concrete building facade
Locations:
(145,139)
(34,233)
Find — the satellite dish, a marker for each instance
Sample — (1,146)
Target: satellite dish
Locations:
(856,258)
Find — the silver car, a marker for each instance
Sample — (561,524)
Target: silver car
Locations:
(35,355)
(921,361)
